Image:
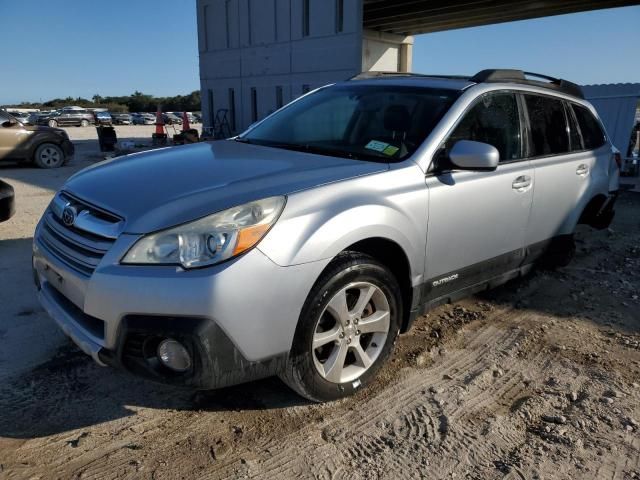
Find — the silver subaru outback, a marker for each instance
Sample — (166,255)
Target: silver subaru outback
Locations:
(304,246)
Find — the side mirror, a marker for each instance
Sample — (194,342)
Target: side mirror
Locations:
(469,155)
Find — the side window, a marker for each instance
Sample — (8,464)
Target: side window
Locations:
(548,125)
(592,133)
(3,117)
(574,132)
(494,120)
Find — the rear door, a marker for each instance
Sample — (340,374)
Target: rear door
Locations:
(562,169)
(478,219)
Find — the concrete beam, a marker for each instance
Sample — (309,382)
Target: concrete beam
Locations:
(411,17)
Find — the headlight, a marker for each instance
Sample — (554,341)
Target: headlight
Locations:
(211,239)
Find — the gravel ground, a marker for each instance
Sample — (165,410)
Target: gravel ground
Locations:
(536,379)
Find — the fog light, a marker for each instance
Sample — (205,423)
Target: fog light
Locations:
(174,355)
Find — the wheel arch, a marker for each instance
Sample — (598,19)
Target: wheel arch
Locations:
(393,256)
(589,214)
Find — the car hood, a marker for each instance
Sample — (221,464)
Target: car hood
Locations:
(170,186)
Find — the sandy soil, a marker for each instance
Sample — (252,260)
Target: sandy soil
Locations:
(537,379)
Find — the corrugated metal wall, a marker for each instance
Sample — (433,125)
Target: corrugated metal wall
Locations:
(616,104)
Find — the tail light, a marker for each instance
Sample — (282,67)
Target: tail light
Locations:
(618,158)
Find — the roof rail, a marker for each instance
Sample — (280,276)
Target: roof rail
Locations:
(519,76)
(377,74)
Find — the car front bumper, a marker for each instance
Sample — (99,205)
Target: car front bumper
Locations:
(237,319)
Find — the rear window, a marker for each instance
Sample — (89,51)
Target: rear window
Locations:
(548,125)
(592,134)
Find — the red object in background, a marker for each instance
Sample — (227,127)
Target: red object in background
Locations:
(159,122)
(185,121)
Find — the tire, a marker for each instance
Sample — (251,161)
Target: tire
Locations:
(84,123)
(560,254)
(52,123)
(347,358)
(49,155)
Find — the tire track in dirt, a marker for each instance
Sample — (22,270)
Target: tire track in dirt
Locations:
(395,419)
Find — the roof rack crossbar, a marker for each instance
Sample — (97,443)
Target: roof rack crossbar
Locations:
(519,76)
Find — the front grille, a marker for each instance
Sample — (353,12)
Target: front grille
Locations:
(77,248)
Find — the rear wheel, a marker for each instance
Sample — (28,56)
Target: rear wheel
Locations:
(52,123)
(84,123)
(346,330)
(49,155)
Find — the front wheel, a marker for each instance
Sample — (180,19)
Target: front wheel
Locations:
(84,123)
(53,123)
(347,329)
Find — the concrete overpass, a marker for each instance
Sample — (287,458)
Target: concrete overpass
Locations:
(256,55)
(412,17)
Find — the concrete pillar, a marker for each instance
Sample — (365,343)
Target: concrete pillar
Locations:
(386,52)
(406,56)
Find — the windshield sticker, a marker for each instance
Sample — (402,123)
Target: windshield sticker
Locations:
(382,147)
(376,145)
(390,150)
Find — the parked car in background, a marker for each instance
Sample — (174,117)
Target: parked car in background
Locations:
(67,118)
(198,117)
(121,118)
(7,201)
(171,119)
(143,119)
(45,146)
(20,116)
(102,118)
(190,116)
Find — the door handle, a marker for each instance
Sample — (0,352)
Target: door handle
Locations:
(521,183)
(582,170)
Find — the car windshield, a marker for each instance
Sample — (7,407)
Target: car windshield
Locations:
(364,122)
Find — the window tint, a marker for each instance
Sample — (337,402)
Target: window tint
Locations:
(377,122)
(574,132)
(326,121)
(3,117)
(493,120)
(548,124)
(592,134)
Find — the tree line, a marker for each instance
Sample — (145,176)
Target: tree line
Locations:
(136,102)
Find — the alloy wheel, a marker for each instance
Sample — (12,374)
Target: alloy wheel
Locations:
(351,332)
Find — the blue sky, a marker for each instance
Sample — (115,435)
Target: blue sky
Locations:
(112,47)
(590,47)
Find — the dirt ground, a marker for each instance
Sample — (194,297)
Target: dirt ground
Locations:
(537,379)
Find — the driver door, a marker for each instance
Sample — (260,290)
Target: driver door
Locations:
(478,219)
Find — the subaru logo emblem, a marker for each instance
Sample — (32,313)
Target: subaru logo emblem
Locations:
(69,215)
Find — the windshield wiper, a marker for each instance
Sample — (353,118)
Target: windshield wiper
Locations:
(242,140)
